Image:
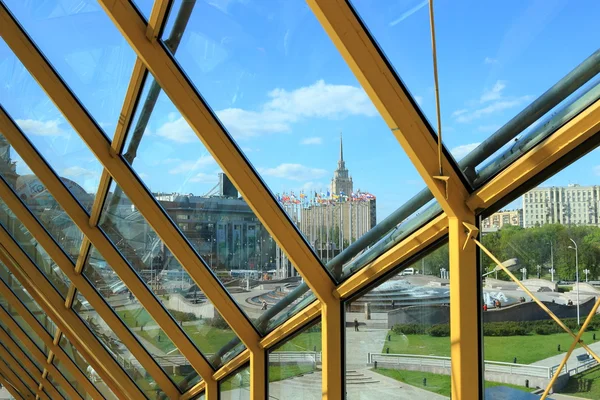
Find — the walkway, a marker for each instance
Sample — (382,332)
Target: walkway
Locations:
(572,362)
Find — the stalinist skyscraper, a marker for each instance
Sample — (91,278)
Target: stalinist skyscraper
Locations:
(341,183)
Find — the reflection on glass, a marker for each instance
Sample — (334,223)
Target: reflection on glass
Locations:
(48,131)
(35,252)
(208,210)
(115,347)
(19,375)
(23,348)
(84,367)
(163,274)
(39,201)
(58,387)
(13,364)
(397,328)
(27,301)
(547,238)
(295,367)
(135,317)
(236,386)
(86,49)
(285,94)
(69,377)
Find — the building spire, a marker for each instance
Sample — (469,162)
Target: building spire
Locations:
(341,148)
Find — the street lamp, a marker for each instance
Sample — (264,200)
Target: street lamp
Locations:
(524,271)
(552,261)
(576,274)
(586,272)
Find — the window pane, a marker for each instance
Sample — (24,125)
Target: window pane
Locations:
(236,386)
(86,49)
(295,367)
(22,348)
(36,253)
(20,376)
(398,329)
(84,367)
(163,274)
(57,386)
(78,386)
(556,241)
(134,316)
(115,347)
(48,131)
(29,303)
(285,94)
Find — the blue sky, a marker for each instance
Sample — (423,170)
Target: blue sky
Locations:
(280,87)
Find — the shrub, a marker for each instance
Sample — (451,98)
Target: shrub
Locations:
(410,329)
(440,330)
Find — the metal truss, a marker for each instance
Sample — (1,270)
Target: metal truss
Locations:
(405,122)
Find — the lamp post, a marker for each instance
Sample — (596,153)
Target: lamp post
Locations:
(552,261)
(524,271)
(586,272)
(552,270)
(576,274)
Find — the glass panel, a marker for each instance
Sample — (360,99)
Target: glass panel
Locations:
(115,347)
(284,93)
(69,377)
(36,253)
(23,348)
(550,240)
(48,131)
(19,376)
(33,307)
(84,367)
(397,328)
(62,391)
(236,386)
(163,274)
(200,397)
(145,7)
(295,367)
(39,201)
(86,49)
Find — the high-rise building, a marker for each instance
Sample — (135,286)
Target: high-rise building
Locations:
(570,205)
(341,183)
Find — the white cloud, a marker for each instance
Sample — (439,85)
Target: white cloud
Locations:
(41,128)
(312,140)
(492,108)
(495,93)
(319,100)
(460,112)
(490,60)
(190,165)
(178,131)
(202,177)
(460,151)
(597,170)
(408,13)
(295,172)
(77,171)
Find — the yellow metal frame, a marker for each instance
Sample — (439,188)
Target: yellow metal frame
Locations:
(65,319)
(79,282)
(14,379)
(11,389)
(22,368)
(39,356)
(17,354)
(54,348)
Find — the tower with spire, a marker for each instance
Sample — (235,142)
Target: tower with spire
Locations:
(341,184)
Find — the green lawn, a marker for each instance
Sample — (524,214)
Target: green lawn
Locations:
(436,383)
(308,341)
(527,349)
(281,372)
(208,339)
(135,317)
(586,384)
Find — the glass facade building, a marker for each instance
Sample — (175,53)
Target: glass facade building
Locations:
(299,200)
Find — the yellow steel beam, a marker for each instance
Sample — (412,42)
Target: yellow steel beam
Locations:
(78,215)
(14,379)
(11,389)
(54,348)
(211,392)
(393,102)
(560,143)
(173,81)
(37,354)
(85,287)
(258,374)
(18,367)
(464,311)
(195,390)
(292,325)
(39,68)
(413,244)
(15,352)
(65,319)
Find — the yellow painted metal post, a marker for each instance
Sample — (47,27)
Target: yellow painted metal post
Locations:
(258,374)
(464,312)
(11,389)
(10,375)
(331,345)
(211,390)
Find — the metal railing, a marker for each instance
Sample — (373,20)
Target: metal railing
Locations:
(444,362)
(288,357)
